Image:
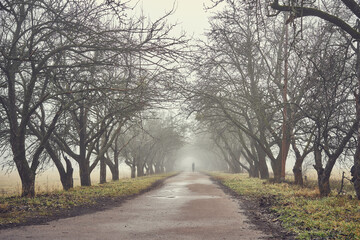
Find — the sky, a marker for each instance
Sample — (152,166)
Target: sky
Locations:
(189,14)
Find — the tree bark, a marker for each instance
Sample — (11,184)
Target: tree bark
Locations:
(102,170)
(324,184)
(297,170)
(323,179)
(27,175)
(114,167)
(263,168)
(28,185)
(133,171)
(276,167)
(355,170)
(115,170)
(140,170)
(253,171)
(67,178)
(84,169)
(84,163)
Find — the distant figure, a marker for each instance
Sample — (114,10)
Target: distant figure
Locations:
(193,167)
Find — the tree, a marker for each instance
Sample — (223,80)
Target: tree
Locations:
(235,82)
(32,37)
(151,145)
(349,24)
(47,44)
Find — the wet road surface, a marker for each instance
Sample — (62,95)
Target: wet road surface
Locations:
(187,206)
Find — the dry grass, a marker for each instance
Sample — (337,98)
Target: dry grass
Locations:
(46,182)
(300,209)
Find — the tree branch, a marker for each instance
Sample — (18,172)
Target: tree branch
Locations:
(306,11)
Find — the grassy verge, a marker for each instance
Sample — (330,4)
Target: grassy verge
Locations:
(16,210)
(300,210)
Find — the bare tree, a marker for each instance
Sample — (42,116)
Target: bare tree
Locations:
(43,43)
(30,39)
(234,81)
(345,15)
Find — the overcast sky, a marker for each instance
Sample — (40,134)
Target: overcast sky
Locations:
(189,14)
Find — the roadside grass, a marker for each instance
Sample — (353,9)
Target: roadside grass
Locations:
(300,209)
(15,209)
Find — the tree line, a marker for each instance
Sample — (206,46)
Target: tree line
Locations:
(281,78)
(78,82)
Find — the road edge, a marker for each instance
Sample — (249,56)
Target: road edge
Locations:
(258,214)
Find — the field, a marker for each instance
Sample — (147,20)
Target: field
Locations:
(49,181)
(300,209)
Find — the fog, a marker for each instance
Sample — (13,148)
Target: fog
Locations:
(227,109)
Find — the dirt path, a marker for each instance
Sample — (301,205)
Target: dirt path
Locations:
(187,206)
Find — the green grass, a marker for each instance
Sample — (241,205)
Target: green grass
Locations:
(15,209)
(301,210)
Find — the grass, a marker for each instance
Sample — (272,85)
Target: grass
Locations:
(15,209)
(301,210)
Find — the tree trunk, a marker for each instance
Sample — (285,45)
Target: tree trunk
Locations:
(298,176)
(323,183)
(151,169)
(253,171)
(67,177)
(323,179)
(355,170)
(115,174)
(84,164)
(157,169)
(297,170)
(114,167)
(140,170)
(115,171)
(67,180)
(276,167)
(28,185)
(84,169)
(146,169)
(26,174)
(285,128)
(236,168)
(263,169)
(102,170)
(133,170)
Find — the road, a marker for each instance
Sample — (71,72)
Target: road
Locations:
(187,206)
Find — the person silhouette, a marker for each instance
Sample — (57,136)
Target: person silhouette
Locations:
(193,166)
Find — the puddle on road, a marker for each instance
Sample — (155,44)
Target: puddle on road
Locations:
(183,197)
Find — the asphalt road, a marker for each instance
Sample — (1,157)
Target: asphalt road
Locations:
(187,206)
